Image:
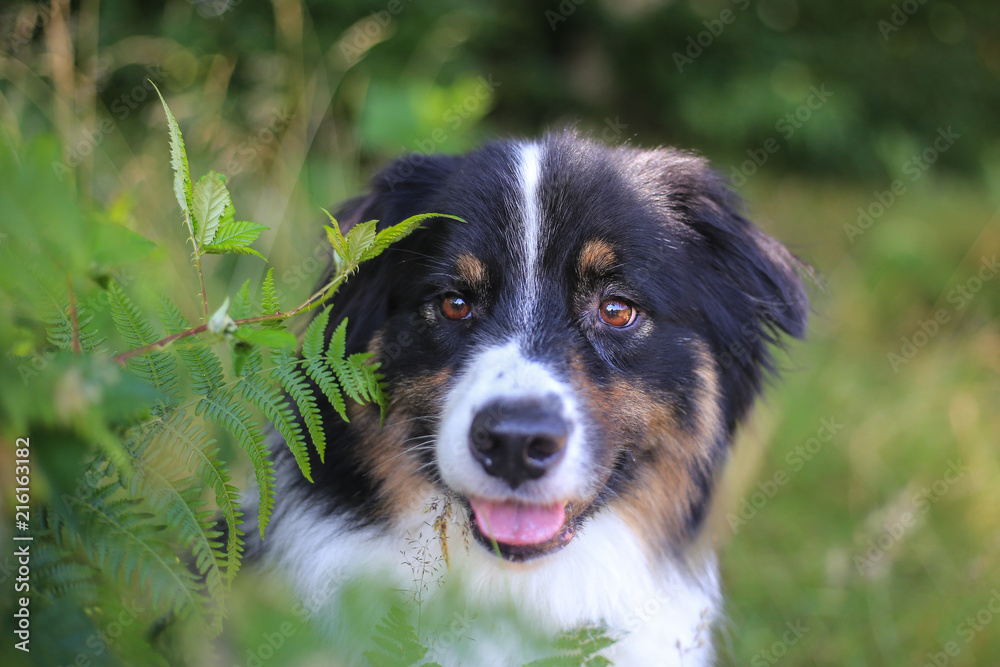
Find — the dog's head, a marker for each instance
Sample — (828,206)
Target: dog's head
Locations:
(585,341)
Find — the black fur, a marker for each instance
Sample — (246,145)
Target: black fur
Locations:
(695,267)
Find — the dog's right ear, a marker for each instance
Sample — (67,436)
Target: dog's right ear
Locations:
(406,187)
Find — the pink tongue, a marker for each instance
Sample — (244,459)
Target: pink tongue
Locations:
(514,523)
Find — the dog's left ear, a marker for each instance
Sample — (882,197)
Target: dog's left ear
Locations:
(754,291)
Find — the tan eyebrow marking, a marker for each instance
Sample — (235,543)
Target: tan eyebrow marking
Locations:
(472,271)
(596,258)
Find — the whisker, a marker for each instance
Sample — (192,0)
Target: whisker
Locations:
(421,443)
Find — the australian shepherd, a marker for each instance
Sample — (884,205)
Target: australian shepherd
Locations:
(565,369)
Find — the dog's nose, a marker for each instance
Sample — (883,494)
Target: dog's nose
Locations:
(519,440)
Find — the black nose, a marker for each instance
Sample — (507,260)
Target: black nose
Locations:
(518,440)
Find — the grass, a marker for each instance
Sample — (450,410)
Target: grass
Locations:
(802,558)
(879,543)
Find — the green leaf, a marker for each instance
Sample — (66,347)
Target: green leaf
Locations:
(273,338)
(359,240)
(231,249)
(334,236)
(390,235)
(209,200)
(237,233)
(178,158)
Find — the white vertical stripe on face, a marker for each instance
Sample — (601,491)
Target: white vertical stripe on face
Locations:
(529,174)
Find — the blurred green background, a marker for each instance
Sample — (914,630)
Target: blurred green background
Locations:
(862,501)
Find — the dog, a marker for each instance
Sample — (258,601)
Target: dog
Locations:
(565,368)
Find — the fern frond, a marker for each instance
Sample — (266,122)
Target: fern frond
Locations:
(223,409)
(88,336)
(126,545)
(580,647)
(180,436)
(398,644)
(181,509)
(337,347)
(287,373)
(269,300)
(57,573)
(255,388)
(60,329)
(241,351)
(358,378)
(202,363)
(317,367)
(157,368)
(242,306)
(356,375)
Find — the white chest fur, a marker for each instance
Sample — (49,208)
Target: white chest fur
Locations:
(660,613)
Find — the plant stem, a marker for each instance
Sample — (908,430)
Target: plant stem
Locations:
(316,299)
(73,316)
(197,264)
(204,294)
(160,344)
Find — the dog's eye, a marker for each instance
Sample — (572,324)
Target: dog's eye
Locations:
(616,313)
(455,307)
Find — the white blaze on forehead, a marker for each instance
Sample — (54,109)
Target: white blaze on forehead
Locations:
(529,173)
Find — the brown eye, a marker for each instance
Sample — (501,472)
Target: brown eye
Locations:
(455,307)
(617,313)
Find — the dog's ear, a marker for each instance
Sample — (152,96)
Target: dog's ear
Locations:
(753,291)
(404,188)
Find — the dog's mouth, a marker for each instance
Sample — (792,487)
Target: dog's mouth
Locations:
(521,531)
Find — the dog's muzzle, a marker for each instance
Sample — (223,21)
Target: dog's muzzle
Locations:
(518,440)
